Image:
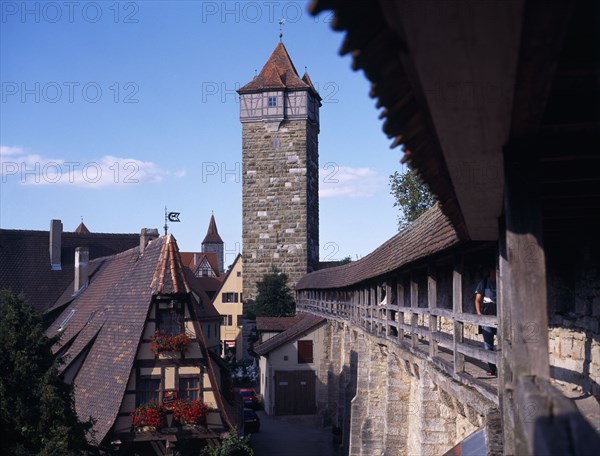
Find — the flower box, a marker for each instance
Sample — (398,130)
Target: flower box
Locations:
(185,412)
(161,344)
(148,417)
(190,412)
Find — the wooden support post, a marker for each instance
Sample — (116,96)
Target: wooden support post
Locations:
(524,302)
(388,305)
(400,302)
(372,308)
(432,304)
(457,308)
(414,303)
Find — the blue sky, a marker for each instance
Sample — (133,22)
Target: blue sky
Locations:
(112,110)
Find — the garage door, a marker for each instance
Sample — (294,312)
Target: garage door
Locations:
(295,393)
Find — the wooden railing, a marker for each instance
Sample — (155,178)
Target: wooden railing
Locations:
(438,333)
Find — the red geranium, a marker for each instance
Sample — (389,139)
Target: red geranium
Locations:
(150,414)
(189,411)
(166,343)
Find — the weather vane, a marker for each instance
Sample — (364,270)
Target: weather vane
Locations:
(281,24)
(170,217)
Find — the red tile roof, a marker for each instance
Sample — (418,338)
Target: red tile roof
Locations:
(212,234)
(278,73)
(431,233)
(169,276)
(25,261)
(82,229)
(188,260)
(307,322)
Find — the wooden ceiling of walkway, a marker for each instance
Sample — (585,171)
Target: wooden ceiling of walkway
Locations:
(462,81)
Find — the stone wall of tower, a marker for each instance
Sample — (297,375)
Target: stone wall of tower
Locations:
(279,200)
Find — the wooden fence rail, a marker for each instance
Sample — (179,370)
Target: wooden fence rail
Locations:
(380,310)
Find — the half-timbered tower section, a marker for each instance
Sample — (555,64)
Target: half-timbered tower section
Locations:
(133,341)
(279,111)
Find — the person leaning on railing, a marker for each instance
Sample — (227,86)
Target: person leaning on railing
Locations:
(485,304)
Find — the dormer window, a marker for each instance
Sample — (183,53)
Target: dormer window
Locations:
(272,103)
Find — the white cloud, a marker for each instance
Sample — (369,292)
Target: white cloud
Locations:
(106,171)
(5,151)
(344,181)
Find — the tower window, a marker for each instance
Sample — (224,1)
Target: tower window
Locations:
(272,102)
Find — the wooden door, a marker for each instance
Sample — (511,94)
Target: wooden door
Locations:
(295,392)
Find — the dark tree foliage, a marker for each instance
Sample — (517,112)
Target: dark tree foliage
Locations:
(412,197)
(274,297)
(36,406)
(233,445)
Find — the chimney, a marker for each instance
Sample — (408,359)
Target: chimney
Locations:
(147,235)
(56,229)
(82,258)
(195,258)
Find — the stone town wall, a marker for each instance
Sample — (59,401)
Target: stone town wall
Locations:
(279,200)
(384,400)
(574,316)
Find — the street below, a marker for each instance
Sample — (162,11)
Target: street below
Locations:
(293,435)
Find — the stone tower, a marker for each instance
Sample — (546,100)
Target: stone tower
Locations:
(213,243)
(279,111)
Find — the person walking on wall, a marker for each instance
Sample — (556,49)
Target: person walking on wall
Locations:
(485,304)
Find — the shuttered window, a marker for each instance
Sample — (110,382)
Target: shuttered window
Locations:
(305,351)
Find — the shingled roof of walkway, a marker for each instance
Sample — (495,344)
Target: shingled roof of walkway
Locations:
(429,234)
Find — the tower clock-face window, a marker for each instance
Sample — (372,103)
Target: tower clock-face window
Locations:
(272,102)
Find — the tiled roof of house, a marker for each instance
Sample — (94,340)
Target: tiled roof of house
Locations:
(169,276)
(104,324)
(212,234)
(25,261)
(278,73)
(82,229)
(108,319)
(431,233)
(276,324)
(193,260)
(205,307)
(306,323)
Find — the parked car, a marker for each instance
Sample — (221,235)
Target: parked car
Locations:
(249,398)
(251,422)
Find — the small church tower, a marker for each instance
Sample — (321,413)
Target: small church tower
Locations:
(213,243)
(279,111)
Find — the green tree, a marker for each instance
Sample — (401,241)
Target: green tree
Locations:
(274,297)
(411,196)
(37,413)
(233,445)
